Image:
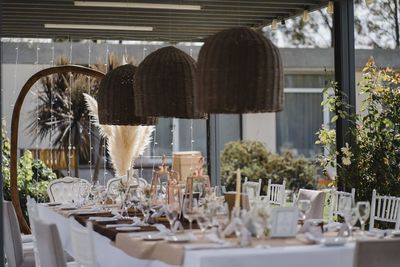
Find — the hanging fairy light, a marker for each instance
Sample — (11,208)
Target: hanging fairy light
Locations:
(330,8)
(15,74)
(70,113)
(90,120)
(104,140)
(52,127)
(191,132)
(37,122)
(306,15)
(274,24)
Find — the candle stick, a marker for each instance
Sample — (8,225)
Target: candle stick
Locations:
(238,186)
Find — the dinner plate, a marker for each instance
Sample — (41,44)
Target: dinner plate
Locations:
(127,228)
(178,238)
(333,241)
(152,237)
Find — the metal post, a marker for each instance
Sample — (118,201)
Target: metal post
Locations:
(343,23)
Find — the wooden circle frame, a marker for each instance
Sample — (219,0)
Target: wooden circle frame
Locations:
(15,126)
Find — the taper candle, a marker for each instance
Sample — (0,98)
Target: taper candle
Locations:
(238,188)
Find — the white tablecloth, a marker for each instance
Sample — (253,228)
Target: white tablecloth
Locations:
(296,256)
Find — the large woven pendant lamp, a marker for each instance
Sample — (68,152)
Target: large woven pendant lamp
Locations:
(240,71)
(116,98)
(165,84)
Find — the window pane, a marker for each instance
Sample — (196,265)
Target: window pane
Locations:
(298,123)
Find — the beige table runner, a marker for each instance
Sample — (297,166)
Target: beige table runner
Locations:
(173,253)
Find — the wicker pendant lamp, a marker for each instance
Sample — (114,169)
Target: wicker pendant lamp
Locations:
(240,71)
(165,84)
(116,98)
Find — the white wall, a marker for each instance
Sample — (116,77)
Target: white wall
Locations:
(261,127)
(12,81)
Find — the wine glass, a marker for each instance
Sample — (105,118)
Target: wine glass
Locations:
(84,191)
(363,209)
(304,206)
(113,192)
(221,216)
(344,204)
(203,221)
(350,217)
(190,207)
(172,212)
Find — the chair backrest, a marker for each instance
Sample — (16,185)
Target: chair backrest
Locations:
(385,209)
(83,243)
(335,198)
(252,189)
(276,193)
(377,253)
(48,243)
(62,190)
(317,199)
(33,213)
(12,236)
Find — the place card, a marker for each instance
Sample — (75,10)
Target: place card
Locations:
(284,222)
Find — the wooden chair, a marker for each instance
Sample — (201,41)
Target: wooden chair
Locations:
(385,209)
(335,198)
(276,193)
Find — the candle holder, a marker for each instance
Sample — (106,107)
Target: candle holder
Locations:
(199,178)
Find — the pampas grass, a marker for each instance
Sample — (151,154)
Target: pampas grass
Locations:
(124,143)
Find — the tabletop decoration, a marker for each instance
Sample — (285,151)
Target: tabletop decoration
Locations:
(124,143)
(198,181)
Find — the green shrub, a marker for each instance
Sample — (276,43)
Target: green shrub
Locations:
(33,175)
(372,160)
(256,162)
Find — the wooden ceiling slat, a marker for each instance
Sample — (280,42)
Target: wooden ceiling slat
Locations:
(26,18)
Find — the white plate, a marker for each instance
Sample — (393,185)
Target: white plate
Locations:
(178,238)
(333,241)
(127,228)
(152,237)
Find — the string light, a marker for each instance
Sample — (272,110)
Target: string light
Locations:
(52,127)
(15,74)
(104,140)
(274,24)
(70,112)
(191,132)
(329,9)
(306,15)
(90,119)
(37,122)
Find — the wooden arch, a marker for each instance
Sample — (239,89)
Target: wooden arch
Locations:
(15,125)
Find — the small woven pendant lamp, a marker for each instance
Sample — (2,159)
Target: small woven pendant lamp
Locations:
(116,98)
(240,71)
(165,84)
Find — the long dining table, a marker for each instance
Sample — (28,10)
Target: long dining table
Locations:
(126,249)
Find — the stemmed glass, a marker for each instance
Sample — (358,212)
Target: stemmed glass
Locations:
(363,209)
(84,191)
(190,209)
(304,206)
(221,216)
(172,212)
(203,220)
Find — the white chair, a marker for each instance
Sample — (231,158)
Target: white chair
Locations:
(83,244)
(377,253)
(33,214)
(385,209)
(49,247)
(335,199)
(252,189)
(317,199)
(16,255)
(62,190)
(276,193)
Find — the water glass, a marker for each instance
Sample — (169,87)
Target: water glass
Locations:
(304,206)
(190,207)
